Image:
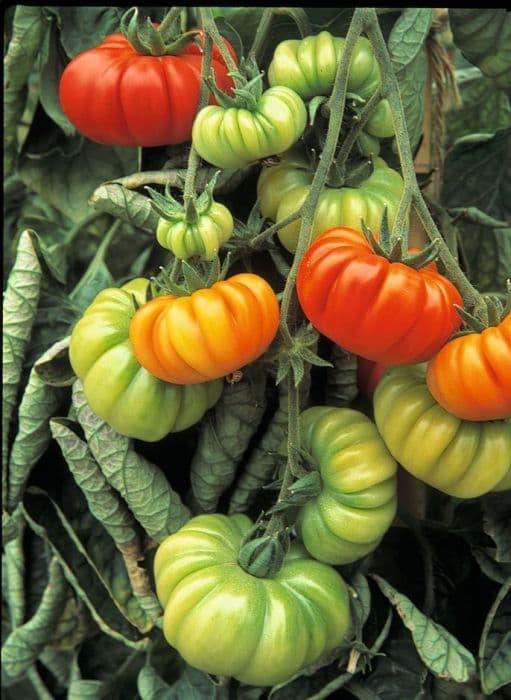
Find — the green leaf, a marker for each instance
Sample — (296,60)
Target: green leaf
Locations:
(495,644)
(225,435)
(484,108)
(478,174)
(38,404)
(19,309)
(52,65)
(484,38)
(29,28)
(49,522)
(54,366)
(151,687)
(490,568)
(149,496)
(97,276)
(442,653)
(83,28)
(406,46)
(67,180)
(87,690)
(125,204)
(104,503)
(497,523)
(13,576)
(25,643)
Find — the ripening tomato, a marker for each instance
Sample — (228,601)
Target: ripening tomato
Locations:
(358,500)
(114,95)
(117,388)
(384,311)
(208,334)
(226,621)
(471,375)
(462,458)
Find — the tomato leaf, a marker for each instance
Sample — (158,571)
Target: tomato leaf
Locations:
(156,506)
(52,64)
(471,179)
(483,36)
(341,378)
(19,309)
(54,367)
(497,524)
(22,647)
(85,27)
(495,644)
(406,46)
(442,653)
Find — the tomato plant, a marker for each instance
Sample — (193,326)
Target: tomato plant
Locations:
(138,100)
(446,452)
(354,297)
(226,621)
(451,374)
(208,334)
(117,387)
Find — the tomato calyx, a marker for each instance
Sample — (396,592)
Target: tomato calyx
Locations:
(491,312)
(249,81)
(262,553)
(302,351)
(393,248)
(168,208)
(147,40)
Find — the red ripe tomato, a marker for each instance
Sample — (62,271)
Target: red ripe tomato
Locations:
(471,375)
(116,96)
(384,311)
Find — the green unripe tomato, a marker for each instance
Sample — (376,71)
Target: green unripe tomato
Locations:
(344,206)
(231,137)
(224,621)
(358,501)
(117,388)
(277,180)
(202,237)
(459,457)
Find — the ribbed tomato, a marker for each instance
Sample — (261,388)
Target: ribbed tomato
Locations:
(114,95)
(384,311)
(208,334)
(471,375)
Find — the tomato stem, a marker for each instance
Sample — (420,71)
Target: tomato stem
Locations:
(356,128)
(210,29)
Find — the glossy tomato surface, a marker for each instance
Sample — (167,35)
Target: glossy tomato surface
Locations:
(114,95)
(358,500)
(462,458)
(386,312)
(224,621)
(208,334)
(471,375)
(117,388)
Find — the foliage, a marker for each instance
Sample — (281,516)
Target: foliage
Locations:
(84,507)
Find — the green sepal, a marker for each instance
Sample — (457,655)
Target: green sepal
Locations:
(293,359)
(205,199)
(359,174)
(147,40)
(300,492)
(263,556)
(427,255)
(165,205)
(314,105)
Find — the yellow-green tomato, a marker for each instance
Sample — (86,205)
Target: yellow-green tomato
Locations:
(232,137)
(202,237)
(459,457)
(358,501)
(225,621)
(117,388)
(344,206)
(274,181)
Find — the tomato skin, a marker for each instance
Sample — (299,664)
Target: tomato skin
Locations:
(224,621)
(358,501)
(385,312)
(462,458)
(202,237)
(309,66)
(116,96)
(117,388)
(289,186)
(233,137)
(471,375)
(207,335)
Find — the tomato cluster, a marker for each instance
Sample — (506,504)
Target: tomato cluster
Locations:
(154,363)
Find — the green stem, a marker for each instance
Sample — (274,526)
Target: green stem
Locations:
(40,689)
(334,128)
(299,16)
(210,28)
(267,233)
(261,35)
(411,191)
(351,137)
(170,20)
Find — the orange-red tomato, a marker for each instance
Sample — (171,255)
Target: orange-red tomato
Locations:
(384,311)
(471,375)
(114,95)
(208,334)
